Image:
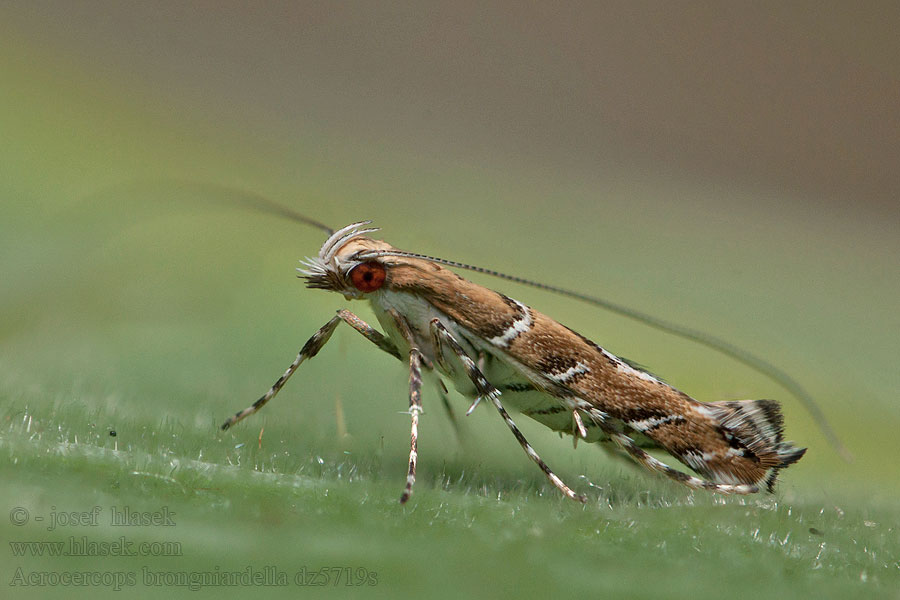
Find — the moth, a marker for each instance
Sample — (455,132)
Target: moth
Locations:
(493,348)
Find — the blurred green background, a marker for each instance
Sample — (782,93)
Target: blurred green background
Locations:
(730,168)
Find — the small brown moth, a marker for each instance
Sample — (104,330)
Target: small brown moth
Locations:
(492,347)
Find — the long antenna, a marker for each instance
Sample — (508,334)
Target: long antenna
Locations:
(187,192)
(255,201)
(742,356)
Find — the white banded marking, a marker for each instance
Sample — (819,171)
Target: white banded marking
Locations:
(579,369)
(519,326)
(653,422)
(624,367)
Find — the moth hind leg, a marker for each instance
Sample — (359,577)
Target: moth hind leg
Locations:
(644,459)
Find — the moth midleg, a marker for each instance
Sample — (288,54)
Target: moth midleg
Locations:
(448,408)
(437,338)
(651,463)
(309,350)
(415,408)
(484,388)
(482,362)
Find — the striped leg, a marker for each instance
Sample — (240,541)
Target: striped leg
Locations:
(484,388)
(310,349)
(641,456)
(415,408)
(369,332)
(482,360)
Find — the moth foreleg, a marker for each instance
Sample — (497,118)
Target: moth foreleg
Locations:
(485,389)
(369,332)
(310,349)
(651,463)
(415,408)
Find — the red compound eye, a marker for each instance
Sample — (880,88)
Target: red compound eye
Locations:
(368,276)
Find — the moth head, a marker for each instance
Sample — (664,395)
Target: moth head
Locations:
(343,266)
